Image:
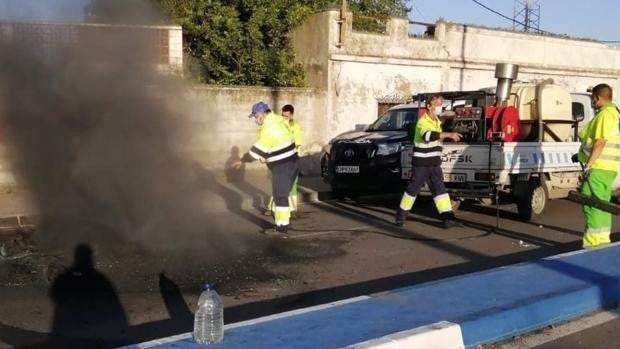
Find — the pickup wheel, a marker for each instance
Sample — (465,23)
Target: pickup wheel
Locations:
(532,204)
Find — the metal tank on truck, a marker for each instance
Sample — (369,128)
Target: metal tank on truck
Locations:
(525,150)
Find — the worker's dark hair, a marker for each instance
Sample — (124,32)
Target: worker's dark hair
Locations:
(432,98)
(289,108)
(604,91)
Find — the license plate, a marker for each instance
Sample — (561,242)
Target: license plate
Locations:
(347,169)
(455,177)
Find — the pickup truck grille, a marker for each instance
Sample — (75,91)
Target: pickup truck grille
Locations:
(352,152)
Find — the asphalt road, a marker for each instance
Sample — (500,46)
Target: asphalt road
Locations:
(596,330)
(601,336)
(147,289)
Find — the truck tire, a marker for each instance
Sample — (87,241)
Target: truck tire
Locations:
(532,203)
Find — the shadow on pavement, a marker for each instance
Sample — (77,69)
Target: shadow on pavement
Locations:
(88,312)
(237,178)
(208,182)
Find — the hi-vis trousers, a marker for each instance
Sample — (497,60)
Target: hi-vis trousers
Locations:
(598,222)
(292,199)
(283,175)
(434,177)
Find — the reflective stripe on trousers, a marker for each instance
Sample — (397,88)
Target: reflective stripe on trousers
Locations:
(282,215)
(594,237)
(442,202)
(292,199)
(598,222)
(406,203)
(432,175)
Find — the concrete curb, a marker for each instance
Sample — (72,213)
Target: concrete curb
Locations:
(488,306)
(443,334)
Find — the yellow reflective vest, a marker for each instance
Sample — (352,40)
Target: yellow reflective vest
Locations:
(297,135)
(275,143)
(426,144)
(605,125)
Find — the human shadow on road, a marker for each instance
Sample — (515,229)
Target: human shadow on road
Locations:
(86,306)
(237,178)
(87,311)
(425,216)
(207,181)
(492,211)
(89,315)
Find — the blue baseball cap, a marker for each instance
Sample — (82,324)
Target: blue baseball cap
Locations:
(259,107)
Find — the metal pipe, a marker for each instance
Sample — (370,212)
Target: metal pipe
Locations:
(505,73)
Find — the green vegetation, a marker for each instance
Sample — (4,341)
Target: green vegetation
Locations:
(246,42)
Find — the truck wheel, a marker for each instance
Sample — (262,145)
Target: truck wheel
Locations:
(531,205)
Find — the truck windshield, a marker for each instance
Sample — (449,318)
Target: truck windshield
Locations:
(395,120)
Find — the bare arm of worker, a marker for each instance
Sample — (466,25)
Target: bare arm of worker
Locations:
(455,136)
(597,149)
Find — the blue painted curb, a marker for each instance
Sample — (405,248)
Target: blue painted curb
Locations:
(489,306)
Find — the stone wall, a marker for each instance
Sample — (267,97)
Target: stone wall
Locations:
(220,116)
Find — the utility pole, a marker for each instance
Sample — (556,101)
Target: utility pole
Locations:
(526,16)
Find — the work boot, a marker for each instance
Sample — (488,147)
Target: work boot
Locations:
(449,221)
(282,229)
(277,231)
(401,217)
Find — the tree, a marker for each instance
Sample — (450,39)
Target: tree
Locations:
(370,15)
(242,42)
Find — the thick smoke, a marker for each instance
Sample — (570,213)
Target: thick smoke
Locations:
(91,131)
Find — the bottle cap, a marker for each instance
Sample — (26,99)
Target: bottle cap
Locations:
(209,287)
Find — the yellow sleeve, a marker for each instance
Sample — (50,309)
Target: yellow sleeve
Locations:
(606,126)
(297,134)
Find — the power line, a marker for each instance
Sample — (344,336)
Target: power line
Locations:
(416,9)
(506,17)
(539,30)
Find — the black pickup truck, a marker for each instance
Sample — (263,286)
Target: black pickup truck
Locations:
(369,161)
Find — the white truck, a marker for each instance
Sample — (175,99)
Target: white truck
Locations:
(531,164)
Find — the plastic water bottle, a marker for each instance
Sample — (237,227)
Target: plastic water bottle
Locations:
(209,317)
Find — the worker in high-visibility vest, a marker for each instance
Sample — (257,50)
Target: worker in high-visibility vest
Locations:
(276,147)
(288,113)
(427,164)
(600,155)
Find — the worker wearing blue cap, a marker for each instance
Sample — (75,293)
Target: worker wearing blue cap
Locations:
(276,147)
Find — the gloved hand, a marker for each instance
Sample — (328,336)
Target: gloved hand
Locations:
(575,158)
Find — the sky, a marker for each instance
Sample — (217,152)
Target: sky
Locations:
(42,10)
(594,19)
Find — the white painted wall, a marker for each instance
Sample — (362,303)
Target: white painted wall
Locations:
(367,66)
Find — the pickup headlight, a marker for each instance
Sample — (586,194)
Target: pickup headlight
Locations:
(389,148)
